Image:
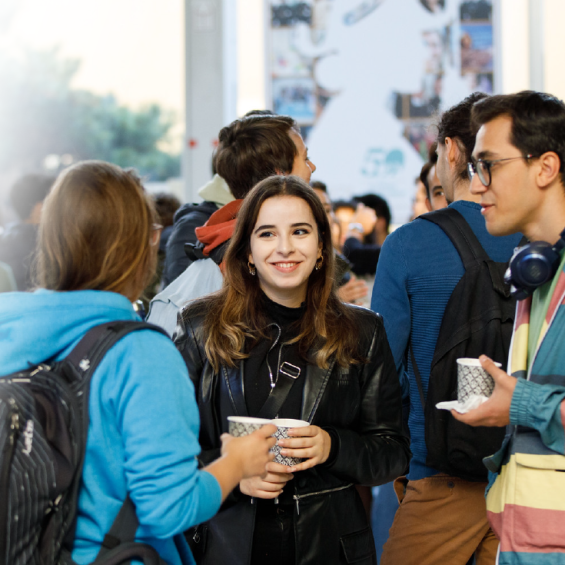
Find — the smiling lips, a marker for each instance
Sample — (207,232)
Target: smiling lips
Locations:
(285,267)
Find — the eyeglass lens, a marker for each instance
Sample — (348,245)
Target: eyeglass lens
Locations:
(482,168)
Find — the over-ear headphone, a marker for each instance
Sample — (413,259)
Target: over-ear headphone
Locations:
(532,266)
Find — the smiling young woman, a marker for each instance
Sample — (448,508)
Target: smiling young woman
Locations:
(278,313)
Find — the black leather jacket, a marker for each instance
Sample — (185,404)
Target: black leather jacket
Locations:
(362,405)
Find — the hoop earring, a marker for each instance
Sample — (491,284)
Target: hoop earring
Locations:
(251,268)
(319,263)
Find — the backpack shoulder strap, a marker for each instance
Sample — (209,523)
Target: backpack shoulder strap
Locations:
(90,350)
(84,359)
(119,545)
(460,233)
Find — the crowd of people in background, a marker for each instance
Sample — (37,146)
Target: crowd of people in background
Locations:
(270,300)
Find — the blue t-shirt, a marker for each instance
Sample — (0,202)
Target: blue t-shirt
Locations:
(418,270)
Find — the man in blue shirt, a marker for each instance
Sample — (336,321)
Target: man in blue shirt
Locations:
(441,519)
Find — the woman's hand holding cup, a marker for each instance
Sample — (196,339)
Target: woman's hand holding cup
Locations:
(252,451)
(270,484)
(310,443)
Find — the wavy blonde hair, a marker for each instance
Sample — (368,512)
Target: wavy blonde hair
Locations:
(95,231)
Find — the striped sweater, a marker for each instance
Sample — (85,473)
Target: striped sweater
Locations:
(526,495)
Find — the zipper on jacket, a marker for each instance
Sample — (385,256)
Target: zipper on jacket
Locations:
(297,497)
(7,457)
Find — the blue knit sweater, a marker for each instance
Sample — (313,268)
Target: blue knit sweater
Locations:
(417,271)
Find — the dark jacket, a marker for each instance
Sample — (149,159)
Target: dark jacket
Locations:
(360,403)
(362,256)
(187,219)
(17,249)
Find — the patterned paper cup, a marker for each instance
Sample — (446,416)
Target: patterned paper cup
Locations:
(472,379)
(283,425)
(244,425)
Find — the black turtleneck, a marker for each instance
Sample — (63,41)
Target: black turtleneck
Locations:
(257,384)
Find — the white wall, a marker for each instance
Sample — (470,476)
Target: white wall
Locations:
(251,56)
(514,48)
(554,48)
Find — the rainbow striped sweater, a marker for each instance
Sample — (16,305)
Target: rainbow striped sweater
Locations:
(526,495)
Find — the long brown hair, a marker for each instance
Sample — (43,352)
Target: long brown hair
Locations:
(95,231)
(234,313)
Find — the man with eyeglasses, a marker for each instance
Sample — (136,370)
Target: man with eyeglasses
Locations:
(518,169)
(442,517)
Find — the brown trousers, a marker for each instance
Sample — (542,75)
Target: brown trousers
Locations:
(441,520)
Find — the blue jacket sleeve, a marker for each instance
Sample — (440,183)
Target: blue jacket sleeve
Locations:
(542,408)
(157,417)
(390,297)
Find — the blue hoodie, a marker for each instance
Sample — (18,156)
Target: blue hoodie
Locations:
(144,422)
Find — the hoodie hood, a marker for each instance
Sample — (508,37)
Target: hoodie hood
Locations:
(216,191)
(207,208)
(45,325)
(219,228)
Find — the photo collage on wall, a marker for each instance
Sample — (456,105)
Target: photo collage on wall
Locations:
(461,37)
(465,43)
(294,88)
(366,80)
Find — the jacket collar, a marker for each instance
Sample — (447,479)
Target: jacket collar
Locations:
(518,357)
(234,383)
(314,387)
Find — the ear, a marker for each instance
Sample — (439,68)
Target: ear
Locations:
(320,248)
(549,164)
(452,150)
(250,258)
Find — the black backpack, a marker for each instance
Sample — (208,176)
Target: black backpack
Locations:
(43,427)
(478,319)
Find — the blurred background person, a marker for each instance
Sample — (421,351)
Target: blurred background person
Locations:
(215,194)
(188,217)
(419,202)
(343,211)
(435,196)
(381,228)
(166,205)
(366,232)
(351,289)
(18,241)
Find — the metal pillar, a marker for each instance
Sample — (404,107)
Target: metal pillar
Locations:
(211,85)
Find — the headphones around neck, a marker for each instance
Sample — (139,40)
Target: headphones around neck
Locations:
(532,266)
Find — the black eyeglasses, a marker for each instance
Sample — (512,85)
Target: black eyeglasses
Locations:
(482,167)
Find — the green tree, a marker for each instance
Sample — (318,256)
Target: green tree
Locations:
(41,114)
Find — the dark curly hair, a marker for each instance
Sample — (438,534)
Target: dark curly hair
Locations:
(455,123)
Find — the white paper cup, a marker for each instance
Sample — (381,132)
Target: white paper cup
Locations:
(244,425)
(472,379)
(283,425)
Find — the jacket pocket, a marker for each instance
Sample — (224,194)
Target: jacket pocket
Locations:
(359,547)
(553,462)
